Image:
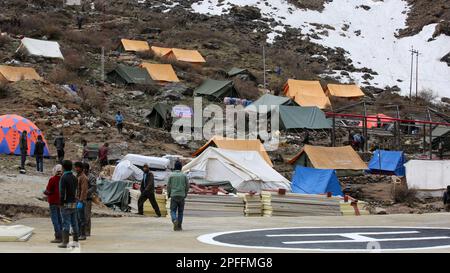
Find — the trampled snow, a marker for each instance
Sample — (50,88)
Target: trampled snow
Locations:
(375,47)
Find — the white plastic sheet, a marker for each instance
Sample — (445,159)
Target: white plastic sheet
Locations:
(428,175)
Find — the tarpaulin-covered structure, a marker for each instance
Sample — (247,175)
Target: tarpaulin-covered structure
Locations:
(343,159)
(11,127)
(349,91)
(14,74)
(161,73)
(114,193)
(126,170)
(266,101)
(235,71)
(237,145)
(245,170)
(306,93)
(127,45)
(296,117)
(154,163)
(124,74)
(372,120)
(429,177)
(40,48)
(315,181)
(388,162)
(216,89)
(159,115)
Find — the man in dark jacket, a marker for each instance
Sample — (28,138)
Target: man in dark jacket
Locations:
(23,144)
(68,201)
(60,145)
(177,190)
(39,154)
(103,155)
(82,192)
(92,191)
(148,192)
(446,199)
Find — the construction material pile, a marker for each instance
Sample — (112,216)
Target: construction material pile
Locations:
(16,233)
(292,204)
(212,205)
(148,210)
(253,204)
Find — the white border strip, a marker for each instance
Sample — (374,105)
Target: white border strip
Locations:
(209,239)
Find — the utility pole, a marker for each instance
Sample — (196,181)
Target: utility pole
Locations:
(411,75)
(417,71)
(264,64)
(103,64)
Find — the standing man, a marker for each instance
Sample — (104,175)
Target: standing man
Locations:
(60,144)
(39,153)
(177,190)
(92,191)
(82,192)
(68,201)
(148,192)
(119,121)
(103,155)
(52,193)
(80,20)
(85,152)
(168,124)
(23,143)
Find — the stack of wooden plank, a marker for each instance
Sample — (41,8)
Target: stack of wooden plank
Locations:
(292,204)
(253,204)
(206,205)
(348,210)
(148,210)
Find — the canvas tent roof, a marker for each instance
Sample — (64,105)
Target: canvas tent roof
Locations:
(14,74)
(34,47)
(315,181)
(245,170)
(388,162)
(161,72)
(268,100)
(345,90)
(161,51)
(237,145)
(134,45)
(185,55)
(333,158)
(236,71)
(216,89)
(428,175)
(296,117)
(130,75)
(306,93)
(158,115)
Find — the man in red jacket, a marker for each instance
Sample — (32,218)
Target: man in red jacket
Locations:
(52,193)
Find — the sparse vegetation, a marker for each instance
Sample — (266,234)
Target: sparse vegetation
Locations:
(402,194)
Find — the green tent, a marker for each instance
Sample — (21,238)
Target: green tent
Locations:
(216,89)
(124,74)
(159,115)
(440,133)
(269,100)
(296,117)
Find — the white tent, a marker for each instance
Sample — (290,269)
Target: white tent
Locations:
(125,170)
(153,162)
(34,47)
(245,170)
(429,177)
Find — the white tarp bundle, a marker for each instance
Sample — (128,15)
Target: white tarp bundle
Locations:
(126,170)
(431,176)
(17,233)
(34,47)
(245,170)
(153,162)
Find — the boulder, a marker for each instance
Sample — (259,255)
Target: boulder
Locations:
(246,13)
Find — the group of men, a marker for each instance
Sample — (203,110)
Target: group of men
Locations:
(38,153)
(70,199)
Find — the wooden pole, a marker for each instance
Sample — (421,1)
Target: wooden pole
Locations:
(365,147)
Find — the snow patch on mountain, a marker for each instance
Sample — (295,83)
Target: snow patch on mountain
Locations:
(367,34)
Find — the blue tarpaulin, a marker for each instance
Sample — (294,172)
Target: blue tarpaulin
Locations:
(315,181)
(387,162)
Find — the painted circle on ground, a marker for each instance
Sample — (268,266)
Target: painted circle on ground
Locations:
(370,239)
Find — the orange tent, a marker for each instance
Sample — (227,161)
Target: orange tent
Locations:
(306,93)
(344,91)
(14,74)
(161,72)
(236,145)
(161,51)
(134,45)
(190,56)
(372,120)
